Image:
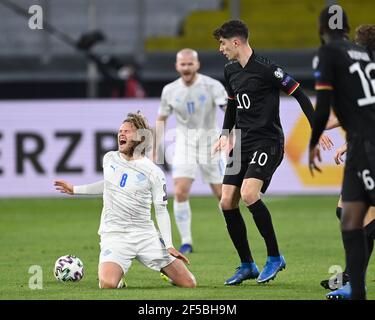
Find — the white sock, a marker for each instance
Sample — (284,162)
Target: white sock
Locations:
(182,213)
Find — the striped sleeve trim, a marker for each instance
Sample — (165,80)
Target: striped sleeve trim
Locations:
(294,88)
(231,98)
(323,86)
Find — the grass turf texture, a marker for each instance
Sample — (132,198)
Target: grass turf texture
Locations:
(38,231)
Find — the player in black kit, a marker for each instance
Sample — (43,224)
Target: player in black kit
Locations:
(345,80)
(253,85)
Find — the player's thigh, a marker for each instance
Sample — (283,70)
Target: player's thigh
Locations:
(184,171)
(184,154)
(250,190)
(263,162)
(117,249)
(217,189)
(179,274)
(212,173)
(152,252)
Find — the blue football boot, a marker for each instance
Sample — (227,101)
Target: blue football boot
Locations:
(271,268)
(343,293)
(244,272)
(186,248)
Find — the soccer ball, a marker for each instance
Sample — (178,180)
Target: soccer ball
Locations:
(68,268)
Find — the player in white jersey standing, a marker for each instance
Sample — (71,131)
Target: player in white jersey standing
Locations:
(131,184)
(193,98)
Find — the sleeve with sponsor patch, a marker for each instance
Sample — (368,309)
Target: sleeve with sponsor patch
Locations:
(282,80)
(158,187)
(324,72)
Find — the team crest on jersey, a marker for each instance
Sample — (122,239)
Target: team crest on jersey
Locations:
(202,98)
(141,177)
(279,73)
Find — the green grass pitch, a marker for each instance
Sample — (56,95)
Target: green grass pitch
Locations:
(38,231)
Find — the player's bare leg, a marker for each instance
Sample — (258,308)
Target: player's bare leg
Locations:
(179,274)
(182,212)
(216,189)
(110,275)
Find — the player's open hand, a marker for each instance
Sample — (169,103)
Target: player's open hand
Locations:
(177,254)
(325,142)
(339,153)
(314,154)
(63,186)
(220,144)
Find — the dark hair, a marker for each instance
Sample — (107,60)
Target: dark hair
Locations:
(324,20)
(232,28)
(365,36)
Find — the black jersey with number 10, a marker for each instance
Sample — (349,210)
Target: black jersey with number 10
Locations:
(256,89)
(348,70)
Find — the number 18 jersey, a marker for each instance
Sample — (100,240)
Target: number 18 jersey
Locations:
(348,70)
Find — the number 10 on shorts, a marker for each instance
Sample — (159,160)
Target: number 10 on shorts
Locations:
(261,160)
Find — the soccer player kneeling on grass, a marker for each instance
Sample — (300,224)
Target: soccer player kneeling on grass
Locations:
(131,183)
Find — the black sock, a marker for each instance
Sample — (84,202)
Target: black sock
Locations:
(338,213)
(370,236)
(356,257)
(263,221)
(237,231)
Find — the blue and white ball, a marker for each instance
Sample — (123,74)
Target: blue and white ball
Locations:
(68,268)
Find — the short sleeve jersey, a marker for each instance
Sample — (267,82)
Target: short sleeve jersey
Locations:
(256,90)
(348,70)
(130,187)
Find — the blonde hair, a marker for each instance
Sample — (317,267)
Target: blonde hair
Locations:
(140,123)
(138,120)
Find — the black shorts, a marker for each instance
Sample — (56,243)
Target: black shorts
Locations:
(259,162)
(359,174)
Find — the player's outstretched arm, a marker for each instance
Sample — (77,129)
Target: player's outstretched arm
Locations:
(63,187)
(95,188)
